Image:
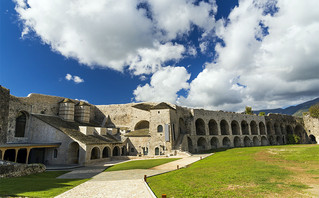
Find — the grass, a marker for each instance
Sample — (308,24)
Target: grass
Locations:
(140,164)
(37,185)
(277,171)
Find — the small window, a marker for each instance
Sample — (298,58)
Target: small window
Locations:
(132,150)
(55,153)
(159,128)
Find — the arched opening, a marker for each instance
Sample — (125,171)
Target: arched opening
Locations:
(301,133)
(123,150)
(312,139)
(262,128)
(214,143)
(182,126)
(247,141)
(226,142)
(244,127)
(282,129)
(289,130)
(264,141)
(159,128)
(157,152)
(253,128)
(9,155)
(237,142)
(213,127)
(224,127)
(73,153)
(116,151)
(269,128)
(21,122)
(190,144)
(106,152)
(200,127)
(142,125)
(235,127)
(277,129)
(95,153)
(201,144)
(256,141)
(22,156)
(272,140)
(279,140)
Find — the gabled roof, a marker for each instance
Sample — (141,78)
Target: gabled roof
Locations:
(72,129)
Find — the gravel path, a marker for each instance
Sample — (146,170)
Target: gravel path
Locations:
(122,184)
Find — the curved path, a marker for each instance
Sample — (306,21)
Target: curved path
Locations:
(126,183)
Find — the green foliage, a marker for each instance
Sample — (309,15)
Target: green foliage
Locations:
(140,164)
(293,139)
(261,114)
(248,110)
(239,172)
(38,185)
(314,111)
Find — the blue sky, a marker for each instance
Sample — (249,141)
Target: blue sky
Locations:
(219,54)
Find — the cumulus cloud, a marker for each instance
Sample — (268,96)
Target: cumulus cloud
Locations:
(164,85)
(115,33)
(75,79)
(268,58)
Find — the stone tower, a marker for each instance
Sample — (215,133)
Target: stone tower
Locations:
(4,113)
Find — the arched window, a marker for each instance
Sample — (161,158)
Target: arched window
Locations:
(21,121)
(159,128)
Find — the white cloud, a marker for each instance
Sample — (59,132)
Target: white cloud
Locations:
(114,33)
(75,79)
(275,70)
(164,85)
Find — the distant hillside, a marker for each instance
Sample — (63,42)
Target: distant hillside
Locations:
(293,110)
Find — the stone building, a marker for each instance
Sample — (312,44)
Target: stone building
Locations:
(57,130)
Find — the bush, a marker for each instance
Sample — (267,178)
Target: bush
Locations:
(314,111)
(248,110)
(261,114)
(293,139)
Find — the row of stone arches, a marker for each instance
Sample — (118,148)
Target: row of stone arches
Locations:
(235,128)
(107,152)
(226,142)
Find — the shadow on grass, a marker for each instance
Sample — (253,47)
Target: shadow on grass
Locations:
(213,150)
(37,185)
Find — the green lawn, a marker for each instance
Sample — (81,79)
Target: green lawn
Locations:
(277,171)
(140,164)
(38,185)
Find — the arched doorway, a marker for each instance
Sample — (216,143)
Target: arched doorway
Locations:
(116,151)
(22,156)
(277,128)
(214,143)
(312,139)
(9,155)
(157,151)
(256,141)
(224,127)
(106,152)
(213,127)
(262,128)
(237,142)
(95,153)
(226,142)
(235,127)
(264,141)
(21,122)
(200,127)
(201,144)
(253,128)
(244,128)
(73,153)
(247,141)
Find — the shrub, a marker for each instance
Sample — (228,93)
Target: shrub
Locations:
(261,114)
(248,110)
(293,139)
(314,111)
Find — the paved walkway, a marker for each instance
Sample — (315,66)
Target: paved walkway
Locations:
(123,184)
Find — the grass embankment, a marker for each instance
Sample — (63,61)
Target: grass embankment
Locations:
(38,185)
(278,171)
(140,164)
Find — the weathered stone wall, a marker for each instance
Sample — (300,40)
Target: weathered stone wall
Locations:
(4,113)
(10,169)
(311,126)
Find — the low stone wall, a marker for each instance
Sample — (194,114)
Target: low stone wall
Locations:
(11,169)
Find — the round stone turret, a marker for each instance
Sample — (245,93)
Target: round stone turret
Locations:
(82,112)
(66,110)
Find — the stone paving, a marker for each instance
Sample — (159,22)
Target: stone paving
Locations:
(125,183)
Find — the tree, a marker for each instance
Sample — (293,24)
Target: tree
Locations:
(261,114)
(314,111)
(248,110)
